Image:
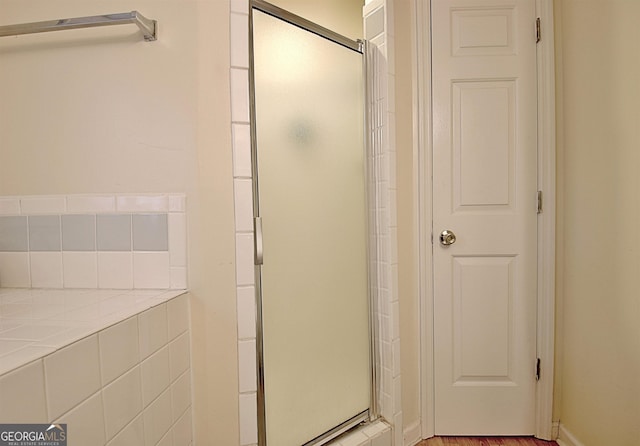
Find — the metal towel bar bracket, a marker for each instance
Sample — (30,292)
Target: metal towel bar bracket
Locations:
(148,27)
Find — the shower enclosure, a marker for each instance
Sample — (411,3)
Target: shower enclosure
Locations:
(314,341)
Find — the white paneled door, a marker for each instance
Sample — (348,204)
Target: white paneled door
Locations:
(484,192)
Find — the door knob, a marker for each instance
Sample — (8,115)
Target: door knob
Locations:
(447,238)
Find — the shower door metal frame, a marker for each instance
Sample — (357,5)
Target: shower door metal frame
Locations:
(359,46)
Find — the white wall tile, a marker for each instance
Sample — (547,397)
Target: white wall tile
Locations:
(386,407)
(91,204)
(393,245)
(178,239)
(43,205)
(142,203)
(386,358)
(131,435)
(80,269)
(374,429)
(395,321)
(178,316)
(22,356)
(374,23)
(397,431)
(153,330)
(182,430)
(392,169)
(240,37)
(396,357)
(22,395)
(122,401)
(167,440)
(246,301)
(71,375)
(387,380)
(247,366)
(239,95)
(14,270)
(241,6)
(85,423)
(356,438)
(34,331)
(177,203)
(115,270)
(46,269)
(241,150)
(151,270)
(384,439)
(248,419)
(65,338)
(155,375)
(157,419)
(393,284)
(244,259)
(180,395)
(119,349)
(179,356)
(385,328)
(9,206)
(178,278)
(243,193)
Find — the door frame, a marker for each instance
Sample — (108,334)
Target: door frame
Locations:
(423,190)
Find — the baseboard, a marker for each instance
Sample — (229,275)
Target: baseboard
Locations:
(566,438)
(411,434)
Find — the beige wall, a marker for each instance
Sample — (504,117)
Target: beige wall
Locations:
(599,219)
(100,110)
(341,16)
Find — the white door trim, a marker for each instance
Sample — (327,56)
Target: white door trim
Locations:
(546,219)
(422,152)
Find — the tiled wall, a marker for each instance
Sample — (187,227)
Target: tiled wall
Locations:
(378,27)
(384,237)
(93,241)
(129,384)
(244,222)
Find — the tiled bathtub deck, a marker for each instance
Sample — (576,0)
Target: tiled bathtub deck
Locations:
(37,322)
(112,365)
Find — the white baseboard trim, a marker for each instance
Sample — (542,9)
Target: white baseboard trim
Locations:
(566,438)
(412,434)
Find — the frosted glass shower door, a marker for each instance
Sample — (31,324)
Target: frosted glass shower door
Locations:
(311,189)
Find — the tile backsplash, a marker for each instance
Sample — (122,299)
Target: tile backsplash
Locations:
(93,241)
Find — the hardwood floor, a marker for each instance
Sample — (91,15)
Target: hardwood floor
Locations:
(485,441)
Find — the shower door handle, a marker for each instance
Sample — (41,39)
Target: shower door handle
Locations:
(257,230)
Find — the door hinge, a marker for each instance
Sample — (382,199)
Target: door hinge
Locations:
(538,369)
(539,202)
(538,37)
